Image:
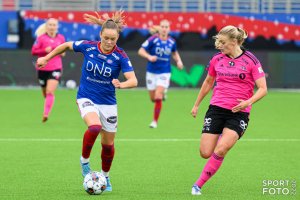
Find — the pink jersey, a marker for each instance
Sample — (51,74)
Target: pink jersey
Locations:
(39,46)
(235,79)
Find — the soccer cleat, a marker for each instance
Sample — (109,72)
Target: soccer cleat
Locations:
(44,119)
(85,168)
(153,124)
(108,185)
(196,190)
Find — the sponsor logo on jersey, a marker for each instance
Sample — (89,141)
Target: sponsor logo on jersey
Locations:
(242,76)
(145,44)
(231,63)
(162,51)
(98,69)
(91,55)
(77,43)
(91,48)
(129,63)
(260,70)
(243,68)
(109,61)
(115,56)
(102,56)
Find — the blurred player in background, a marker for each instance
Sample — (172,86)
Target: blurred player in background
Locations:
(96,96)
(236,72)
(158,50)
(49,76)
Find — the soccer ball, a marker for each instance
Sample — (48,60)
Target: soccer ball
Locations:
(94,183)
(71,84)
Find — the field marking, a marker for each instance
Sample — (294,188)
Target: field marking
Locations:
(138,140)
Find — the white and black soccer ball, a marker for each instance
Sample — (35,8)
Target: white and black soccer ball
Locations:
(71,84)
(94,183)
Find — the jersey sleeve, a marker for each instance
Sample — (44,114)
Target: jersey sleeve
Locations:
(36,49)
(257,71)
(78,46)
(211,67)
(174,47)
(148,43)
(126,65)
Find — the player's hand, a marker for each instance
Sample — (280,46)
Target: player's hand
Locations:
(41,62)
(179,64)
(48,49)
(152,58)
(116,83)
(194,111)
(241,106)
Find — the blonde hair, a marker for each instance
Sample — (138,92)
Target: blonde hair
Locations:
(156,28)
(40,30)
(232,32)
(116,21)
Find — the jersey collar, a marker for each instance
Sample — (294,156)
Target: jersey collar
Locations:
(99,49)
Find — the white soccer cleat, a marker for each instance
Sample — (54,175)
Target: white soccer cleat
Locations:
(196,190)
(153,124)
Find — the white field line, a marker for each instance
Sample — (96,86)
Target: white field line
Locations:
(138,140)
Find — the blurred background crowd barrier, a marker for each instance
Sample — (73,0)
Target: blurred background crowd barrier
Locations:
(273,27)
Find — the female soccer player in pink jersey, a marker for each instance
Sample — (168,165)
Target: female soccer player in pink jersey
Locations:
(236,72)
(49,76)
(96,97)
(158,50)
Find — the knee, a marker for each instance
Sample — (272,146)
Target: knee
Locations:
(49,92)
(205,154)
(95,129)
(222,150)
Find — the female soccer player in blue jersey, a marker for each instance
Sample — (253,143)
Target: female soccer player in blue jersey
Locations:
(96,97)
(158,50)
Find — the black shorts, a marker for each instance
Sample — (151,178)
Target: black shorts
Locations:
(43,76)
(217,118)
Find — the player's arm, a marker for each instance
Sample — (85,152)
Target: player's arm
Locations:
(42,61)
(204,90)
(177,59)
(36,49)
(143,53)
(262,91)
(131,81)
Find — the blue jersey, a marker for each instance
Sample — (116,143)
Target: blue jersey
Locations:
(98,70)
(163,50)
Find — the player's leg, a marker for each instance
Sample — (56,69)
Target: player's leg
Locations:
(212,128)
(109,119)
(226,142)
(107,155)
(159,92)
(208,143)
(162,83)
(49,97)
(42,78)
(151,87)
(90,115)
(44,91)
